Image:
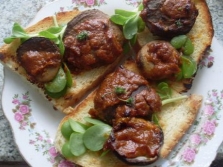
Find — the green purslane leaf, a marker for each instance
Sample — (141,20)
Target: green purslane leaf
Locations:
(188,47)
(155,119)
(66,130)
(189,66)
(68,76)
(171,100)
(58,83)
(95,121)
(178,41)
(76,126)
(164,90)
(66,151)
(76,144)
(130,20)
(118,19)
(130,28)
(124,13)
(95,137)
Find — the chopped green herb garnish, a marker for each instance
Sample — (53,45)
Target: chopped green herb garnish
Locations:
(83,35)
(178,23)
(119,90)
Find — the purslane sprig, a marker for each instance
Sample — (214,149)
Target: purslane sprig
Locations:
(131,21)
(54,33)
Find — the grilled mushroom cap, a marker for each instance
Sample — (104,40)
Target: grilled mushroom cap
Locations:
(169,18)
(135,141)
(91,40)
(41,59)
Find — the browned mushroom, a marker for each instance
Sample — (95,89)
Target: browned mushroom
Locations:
(158,60)
(168,18)
(91,40)
(135,141)
(41,59)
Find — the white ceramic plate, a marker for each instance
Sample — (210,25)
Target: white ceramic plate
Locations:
(34,121)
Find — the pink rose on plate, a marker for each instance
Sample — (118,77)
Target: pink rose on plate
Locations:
(209,110)
(18,117)
(24,109)
(15,101)
(189,154)
(90,2)
(65,163)
(209,127)
(53,152)
(195,139)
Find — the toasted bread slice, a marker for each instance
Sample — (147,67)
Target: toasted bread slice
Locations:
(174,120)
(201,35)
(82,82)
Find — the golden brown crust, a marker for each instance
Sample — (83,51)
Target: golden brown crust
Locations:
(175,119)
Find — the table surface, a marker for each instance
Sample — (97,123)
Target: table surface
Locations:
(16,11)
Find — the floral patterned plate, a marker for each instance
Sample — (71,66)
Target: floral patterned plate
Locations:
(34,121)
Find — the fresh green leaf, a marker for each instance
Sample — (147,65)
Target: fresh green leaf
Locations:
(58,83)
(124,13)
(119,90)
(95,121)
(189,66)
(48,35)
(68,76)
(118,19)
(178,41)
(9,40)
(56,95)
(171,100)
(18,31)
(155,119)
(140,7)
(164,90)
(141,24)
(76,144)
(188,47)
(95,137)
(130,28)
(66,152)
(66,130)
(76,126)
(105,153)
(55,30)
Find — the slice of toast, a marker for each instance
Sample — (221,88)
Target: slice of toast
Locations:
(82,82)
(201,36)
(174,119)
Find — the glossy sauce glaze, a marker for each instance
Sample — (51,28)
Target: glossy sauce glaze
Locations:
(40,58)
(125,101)
(91,43)
(168,18)
(159,60)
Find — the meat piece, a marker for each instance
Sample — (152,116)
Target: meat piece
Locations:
(91,40)
(137,99)
(40,57)
(135,141)
(158,60)
(169,18)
